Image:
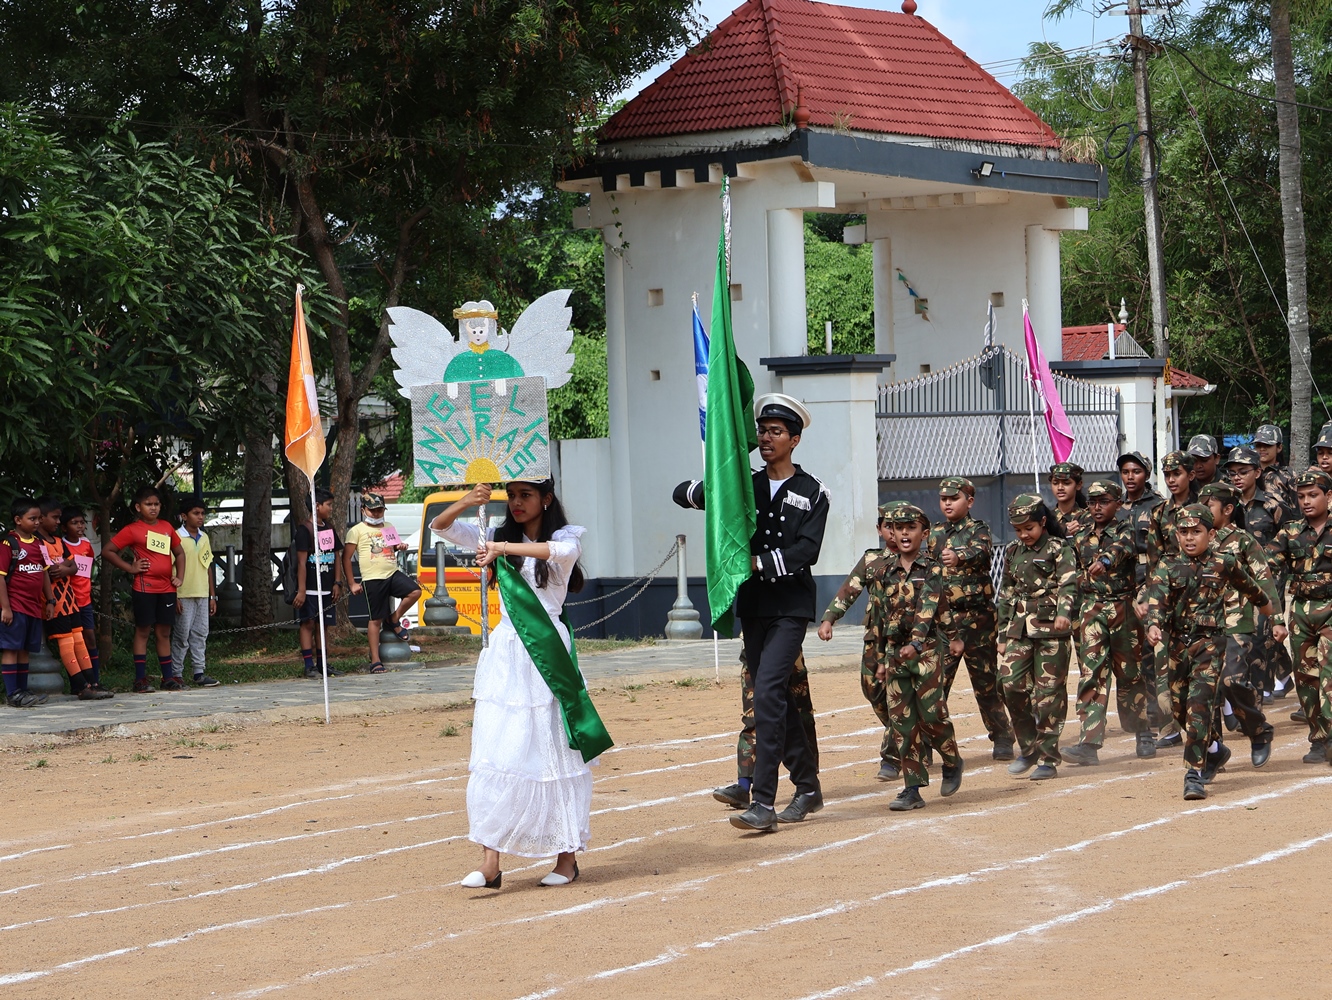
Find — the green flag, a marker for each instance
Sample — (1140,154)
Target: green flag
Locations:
(728,484)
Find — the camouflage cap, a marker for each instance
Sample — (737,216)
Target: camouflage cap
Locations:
(1137,458)
(1324,436)
(886,509)
(1244,456)
(1267,434)
(1314,476)
(954,485)
(371,501)
(1103,489)
(909,513)
(1024,507)
(1065,470)
(1202,446)
(1177,460)
(1219,491)
(1193,515)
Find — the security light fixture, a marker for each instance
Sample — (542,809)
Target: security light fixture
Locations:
(983,171)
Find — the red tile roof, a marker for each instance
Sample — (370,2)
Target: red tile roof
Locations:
(865,70)
(1089,343)
(1180,379)
(391,488)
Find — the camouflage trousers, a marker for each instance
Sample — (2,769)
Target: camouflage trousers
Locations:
(1107,633)
(976,629)
(1195,678)
(1311,638)
(1243,650)
(1034,675)
(799,688)
(918,708)
(877,696)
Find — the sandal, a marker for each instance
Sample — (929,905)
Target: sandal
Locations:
(401,633)
(378,668)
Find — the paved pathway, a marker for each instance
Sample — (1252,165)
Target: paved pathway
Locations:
(65,714)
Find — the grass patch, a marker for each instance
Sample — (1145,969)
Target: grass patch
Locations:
(691,682)
(39,762)
(200,744)
(108,759)
(449,730)
(140,757)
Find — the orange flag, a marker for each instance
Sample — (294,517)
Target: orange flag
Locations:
(305,431)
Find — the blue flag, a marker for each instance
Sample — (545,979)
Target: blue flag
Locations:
(701,371)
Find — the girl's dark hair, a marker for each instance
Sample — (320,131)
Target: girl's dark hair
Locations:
(1080,498)
(1052,525)
(552,519)
(144,492)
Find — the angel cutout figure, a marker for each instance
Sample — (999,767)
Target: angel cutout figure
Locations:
(427,352)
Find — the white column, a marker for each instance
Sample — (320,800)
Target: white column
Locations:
(1043,290)
(620,561)
(787,323)
(884,342)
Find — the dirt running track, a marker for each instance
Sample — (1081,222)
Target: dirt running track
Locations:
(304,861)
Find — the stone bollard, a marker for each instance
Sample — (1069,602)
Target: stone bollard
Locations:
(46,675)
(441,610)
(682,623)
(392,649)
(229,591)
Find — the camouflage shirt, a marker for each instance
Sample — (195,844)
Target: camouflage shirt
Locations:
(1040,584)
(910,600)
(1113,545)
(1161,538)
(968,584)
(1188,595)
(866,576)
(1138,514)
(1306,556)
(1242,616)
(1072,522)
(1278,481)
(1264,516)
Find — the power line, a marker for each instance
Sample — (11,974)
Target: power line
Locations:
(1243,93)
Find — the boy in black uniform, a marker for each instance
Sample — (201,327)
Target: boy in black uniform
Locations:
(776,605)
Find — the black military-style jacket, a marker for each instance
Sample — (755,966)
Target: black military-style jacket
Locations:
(787,543)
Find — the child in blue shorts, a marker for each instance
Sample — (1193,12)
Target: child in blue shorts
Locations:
(24,594)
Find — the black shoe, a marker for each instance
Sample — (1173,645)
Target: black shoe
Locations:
(1169,740)
(1081,753)
(1260,752)
(1285,692)
(1021,765)
(1003,749)
(1298,716)
(1194,789)
(1317,752)
(736,796)
(1231,721)
(1267,698)
(801,806)
(756,819)
(93,693)
(1215,762)
(952,779)
(1146,746)
(23,699)
(907,799)
(204,681)
(888,771)
(1045,772)
(172,684)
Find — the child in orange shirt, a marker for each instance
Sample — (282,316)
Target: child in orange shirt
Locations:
(73,531)
(62,616)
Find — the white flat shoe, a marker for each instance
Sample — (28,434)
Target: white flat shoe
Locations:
(555,878)
(477,880)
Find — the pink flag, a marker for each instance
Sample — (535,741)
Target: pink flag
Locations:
(1038,370)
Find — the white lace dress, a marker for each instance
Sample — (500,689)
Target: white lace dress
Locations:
(529,794)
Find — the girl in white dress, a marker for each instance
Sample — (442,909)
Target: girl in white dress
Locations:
(529,793)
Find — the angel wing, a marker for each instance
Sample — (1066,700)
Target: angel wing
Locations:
(540,339)
(423,347)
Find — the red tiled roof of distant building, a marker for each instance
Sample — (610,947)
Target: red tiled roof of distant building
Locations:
(863,70)
(1180,379)
(391,488)
(1088,343)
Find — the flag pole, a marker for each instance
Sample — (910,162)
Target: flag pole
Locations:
(485,600)
(319,597)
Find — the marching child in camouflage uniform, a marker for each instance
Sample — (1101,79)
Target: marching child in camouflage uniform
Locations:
(868,576)
(1304,549)
(1243,703)
(1277,478)
(1186,593)
(1070,509)
(1107,628)
(1036,600)
(912,593)
(962,545)
(1323,448)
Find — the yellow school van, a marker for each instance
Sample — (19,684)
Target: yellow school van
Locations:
(461,576)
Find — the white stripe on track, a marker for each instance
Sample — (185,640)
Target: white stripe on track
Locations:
(35,850)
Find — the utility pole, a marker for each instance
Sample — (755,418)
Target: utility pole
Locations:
(1143,49)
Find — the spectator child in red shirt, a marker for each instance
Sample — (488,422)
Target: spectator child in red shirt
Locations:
(74,529)
(150,551)
(25,593)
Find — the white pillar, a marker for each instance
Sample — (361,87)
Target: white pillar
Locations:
(884,342)
(1043,290)
(787,324)
(621,559)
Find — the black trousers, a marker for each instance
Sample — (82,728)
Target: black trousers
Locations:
(771,646)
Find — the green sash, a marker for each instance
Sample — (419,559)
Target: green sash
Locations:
(557,666)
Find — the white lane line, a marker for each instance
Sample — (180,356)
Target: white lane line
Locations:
(35,850)
(1070,918)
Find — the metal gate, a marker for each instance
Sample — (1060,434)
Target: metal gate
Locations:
(974,419)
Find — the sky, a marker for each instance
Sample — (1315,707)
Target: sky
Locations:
(993,32)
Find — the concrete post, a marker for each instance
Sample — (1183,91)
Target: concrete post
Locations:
(787,323)
(391,648)
(46,675)
(682,622)
(229,593)
(884,342)
(440,609)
